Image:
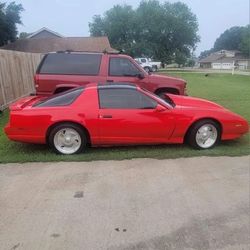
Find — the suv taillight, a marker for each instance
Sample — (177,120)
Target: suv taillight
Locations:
(36,79)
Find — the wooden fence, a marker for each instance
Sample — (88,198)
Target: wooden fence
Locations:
(16,75)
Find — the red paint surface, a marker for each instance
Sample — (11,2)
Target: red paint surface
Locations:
(48,84)
(127,126)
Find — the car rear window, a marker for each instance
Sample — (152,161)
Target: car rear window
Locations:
(70,64)
(62,99)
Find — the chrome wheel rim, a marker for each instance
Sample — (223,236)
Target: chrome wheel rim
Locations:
(206,136)
(67,141)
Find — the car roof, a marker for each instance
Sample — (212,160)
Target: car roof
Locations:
(109,85)
(82,52)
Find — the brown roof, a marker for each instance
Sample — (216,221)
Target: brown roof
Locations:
(220,58)
(231,59)
(45,45)
(211,58)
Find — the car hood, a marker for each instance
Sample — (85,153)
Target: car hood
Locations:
(187,102)
(163,78)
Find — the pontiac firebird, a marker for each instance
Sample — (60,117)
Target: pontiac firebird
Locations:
(120,114)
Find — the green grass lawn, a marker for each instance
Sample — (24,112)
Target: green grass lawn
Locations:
(233,92)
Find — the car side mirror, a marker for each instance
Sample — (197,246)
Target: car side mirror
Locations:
(160,108)
(141,76)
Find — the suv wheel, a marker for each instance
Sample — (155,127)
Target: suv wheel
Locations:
(147,69)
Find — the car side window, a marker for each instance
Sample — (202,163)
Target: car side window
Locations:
(71,64)
(111,98)
(122,67)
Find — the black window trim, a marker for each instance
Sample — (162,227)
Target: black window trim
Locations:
(158,99)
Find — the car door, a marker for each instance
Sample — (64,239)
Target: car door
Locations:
(121,69)
(128,116)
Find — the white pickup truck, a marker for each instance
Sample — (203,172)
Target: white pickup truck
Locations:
(148,64)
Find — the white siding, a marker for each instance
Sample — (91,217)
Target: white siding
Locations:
(244,64)
(222,65)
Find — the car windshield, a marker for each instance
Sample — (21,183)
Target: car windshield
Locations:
(164,100)
(62,99)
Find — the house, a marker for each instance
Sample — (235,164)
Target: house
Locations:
(45,40)
(225,59)
(44,33)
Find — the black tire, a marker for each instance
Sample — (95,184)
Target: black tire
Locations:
(193,133)
(80,140)
(147,69)
(154,68)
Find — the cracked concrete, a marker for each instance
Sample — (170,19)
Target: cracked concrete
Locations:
(194,203)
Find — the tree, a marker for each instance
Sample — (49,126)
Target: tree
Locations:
(230,39)
(245,41)
(205,53)
(180,58)
(9,18)
(24,35)
(190,62)
(154,29)
(118,24)
(235,38)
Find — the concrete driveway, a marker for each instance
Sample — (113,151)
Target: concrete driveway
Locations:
(195,203)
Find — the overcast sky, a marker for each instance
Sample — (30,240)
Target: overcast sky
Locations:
(71,18)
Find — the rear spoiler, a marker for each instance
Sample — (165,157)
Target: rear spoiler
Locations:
(20,104)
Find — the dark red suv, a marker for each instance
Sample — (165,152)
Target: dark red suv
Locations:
(61,71)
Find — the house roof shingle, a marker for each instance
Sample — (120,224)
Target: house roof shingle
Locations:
(219,57)
(211,58)
(45,45)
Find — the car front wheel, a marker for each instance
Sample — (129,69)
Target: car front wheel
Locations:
(67,139)
(204,134)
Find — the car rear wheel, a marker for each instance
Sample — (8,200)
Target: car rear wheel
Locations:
(67,138)
(204,134)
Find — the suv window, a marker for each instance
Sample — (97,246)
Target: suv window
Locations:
(71,64)
(62,99)
(122,67)
(111,98)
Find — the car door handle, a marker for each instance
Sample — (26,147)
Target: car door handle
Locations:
(105,116)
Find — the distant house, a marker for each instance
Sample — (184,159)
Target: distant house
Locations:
(45,40)
(225,59)
(44,33)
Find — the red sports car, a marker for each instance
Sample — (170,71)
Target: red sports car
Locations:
(120,114)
